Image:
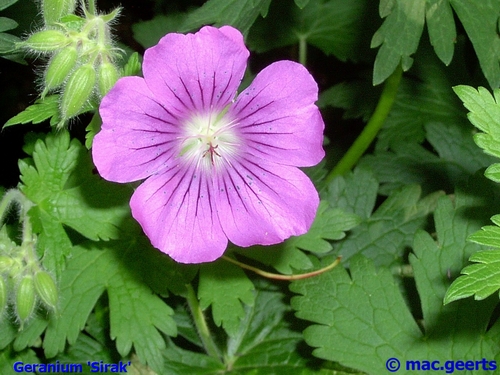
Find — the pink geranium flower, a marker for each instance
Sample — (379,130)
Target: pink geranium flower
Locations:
(217,166)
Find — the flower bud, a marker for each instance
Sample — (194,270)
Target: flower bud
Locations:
(108,75)
(78,90)
(54,10)
(46,41)
(59,67)
(25,298)
(46,289)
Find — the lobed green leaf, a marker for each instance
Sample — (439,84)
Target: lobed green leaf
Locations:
(61,183)
(225,287)
(361,318)
(238,13)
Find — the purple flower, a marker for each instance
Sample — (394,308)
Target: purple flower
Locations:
(217,166)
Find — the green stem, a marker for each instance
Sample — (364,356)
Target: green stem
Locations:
(91,7)
(201,324)
(371,129)
(277,276)
(302,50)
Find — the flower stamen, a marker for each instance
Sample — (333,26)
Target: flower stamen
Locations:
(212,151)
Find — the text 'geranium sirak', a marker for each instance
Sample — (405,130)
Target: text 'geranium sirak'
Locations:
(217,166)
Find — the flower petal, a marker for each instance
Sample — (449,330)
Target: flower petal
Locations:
(197,72)
(137,137)
(278,118)
(264,203)
(176,211)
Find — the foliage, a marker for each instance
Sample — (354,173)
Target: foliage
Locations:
(481,279)
(406,220)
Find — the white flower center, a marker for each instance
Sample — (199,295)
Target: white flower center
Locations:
(210,140)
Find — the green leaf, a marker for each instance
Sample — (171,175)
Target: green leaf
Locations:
(355,192)
(336,27)
(301,3)
(136,315)
(481,279)
(422,98)
(61,183)
(398,37)
(225,287)
(6,3)
(8,358)
(85,347)
(42,110)
(7,24)
(180,362)
(480,22)
(132,66)
(265,343)
(92,129)
(358,98)
(484,114)
(386,233)
(410,163)
(361,318)
(441,27)
(53,242)
(30,334)
(8,50)
(238,13)
(329,224)
(369,302)
(149,33)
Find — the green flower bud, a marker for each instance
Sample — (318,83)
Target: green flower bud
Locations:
(3,294)
(46,41)
(108,75)
(78,90)
(59,67)
(25,298)
(46,289)
(54,10)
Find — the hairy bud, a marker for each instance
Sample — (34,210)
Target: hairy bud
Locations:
(108,75)
(25,298)
(46,289)
(59,67)
(78,90)
(46,41)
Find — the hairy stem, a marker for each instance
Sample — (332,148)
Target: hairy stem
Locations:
(201,324)
(9,198)
(371,129)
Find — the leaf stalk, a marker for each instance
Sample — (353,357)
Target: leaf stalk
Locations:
(361,144)
(201,324)
(277,276)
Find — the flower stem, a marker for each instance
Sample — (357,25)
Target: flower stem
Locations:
(371,129)
(91,7)
(201,324)
(277,276)
(302,50)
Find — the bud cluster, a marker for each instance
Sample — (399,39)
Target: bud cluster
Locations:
(24,284)
(80,52)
